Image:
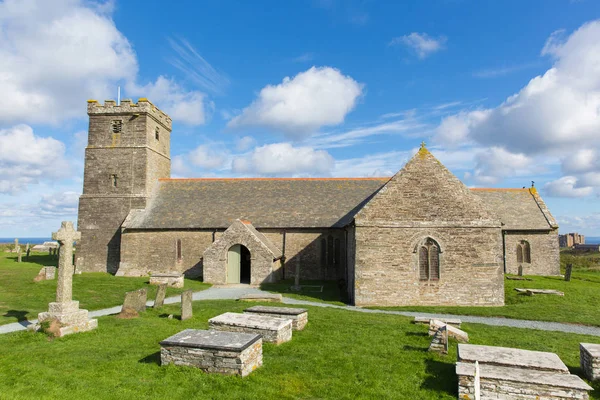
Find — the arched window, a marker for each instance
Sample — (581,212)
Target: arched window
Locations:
(523,252)
(519,253)
(178,250)
(429,260)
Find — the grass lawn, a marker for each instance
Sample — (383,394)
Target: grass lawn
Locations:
(21,298)
(340,355)
(319,291)
(579,304)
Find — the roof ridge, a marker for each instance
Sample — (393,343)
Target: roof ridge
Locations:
(385,178)
(501,189)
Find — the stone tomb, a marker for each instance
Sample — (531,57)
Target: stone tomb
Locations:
(264,297)
(590,360)
(299,316)
(172,280)
(273,330)
(507,373)
(459,335)
(449,321)
(230,353)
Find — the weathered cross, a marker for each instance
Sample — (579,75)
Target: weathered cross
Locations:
(66,235)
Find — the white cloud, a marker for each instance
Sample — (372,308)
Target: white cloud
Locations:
(495,163)
(580,223)
(566,187)
(59,204)
(284,159)
(245,143)
(26,158)
(555,115)
(372,165)
(423,44)
(303,58)
(206,157)
(299,106)
(188,107)
(57,54)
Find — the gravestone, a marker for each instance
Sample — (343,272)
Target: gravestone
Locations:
(439,343)
(65,310)
(296,286)
(19,254)
(568,271)
(520,270)
(186,305)
(135,301)
(45,274)
(16,245)
(27,251)
(161,292)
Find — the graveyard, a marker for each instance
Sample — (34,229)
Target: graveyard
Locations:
(336,354)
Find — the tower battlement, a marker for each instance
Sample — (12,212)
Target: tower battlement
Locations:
(143,105)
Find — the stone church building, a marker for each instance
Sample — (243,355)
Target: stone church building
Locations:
(420,237)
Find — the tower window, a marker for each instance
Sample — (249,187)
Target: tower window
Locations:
(117,126)
(157,133)
(114,180)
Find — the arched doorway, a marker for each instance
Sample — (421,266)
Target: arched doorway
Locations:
(238,264)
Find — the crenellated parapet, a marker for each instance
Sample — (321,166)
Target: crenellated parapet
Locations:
(128,107)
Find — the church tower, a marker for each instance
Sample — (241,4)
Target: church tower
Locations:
(128,151)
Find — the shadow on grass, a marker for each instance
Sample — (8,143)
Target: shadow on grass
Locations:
(153,358)
(441,377)
(331,290)
(422,334)
(41,259)
(18,314)
(415,348)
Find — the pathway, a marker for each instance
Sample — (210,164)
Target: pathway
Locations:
(214,293)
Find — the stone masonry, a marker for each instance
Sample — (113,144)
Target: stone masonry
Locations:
(590,360)
(123,161)
(219,352)
(272,330)
(65,310)
(299,316)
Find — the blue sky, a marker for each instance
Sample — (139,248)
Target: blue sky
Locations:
(502,92)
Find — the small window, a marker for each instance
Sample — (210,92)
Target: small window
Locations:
(117,126)
(157,133)
(114,180)
(337,252)
(178,250)
(330,250)
(429,260)
(523,252)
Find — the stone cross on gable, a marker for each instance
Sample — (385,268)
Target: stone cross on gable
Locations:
(66,235)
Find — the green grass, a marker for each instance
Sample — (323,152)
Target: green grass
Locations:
(340,355)
(579,305)
(21,298)
(330,294)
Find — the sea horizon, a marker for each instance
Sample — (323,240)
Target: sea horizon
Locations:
(25,240)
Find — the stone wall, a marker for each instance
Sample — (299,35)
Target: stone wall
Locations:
(144,252)
(122,166)
(470,267)
(545,254)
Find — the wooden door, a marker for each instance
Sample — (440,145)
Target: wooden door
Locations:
(233,264)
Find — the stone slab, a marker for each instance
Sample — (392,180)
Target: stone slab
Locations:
(136,300)
(273,330)
(220,352)
(439,342)
(504,356)
(532,292)
(426,320)
(186,304)
(172,280)
(266,297)
(589,355)
(459,335)
(521,375)
(299,316)
(161,292)
(217,340)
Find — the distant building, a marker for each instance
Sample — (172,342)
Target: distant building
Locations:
(587,247)
(570,239)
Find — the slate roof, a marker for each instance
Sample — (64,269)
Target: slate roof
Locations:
(518,208)
(300,203)
(267,203)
